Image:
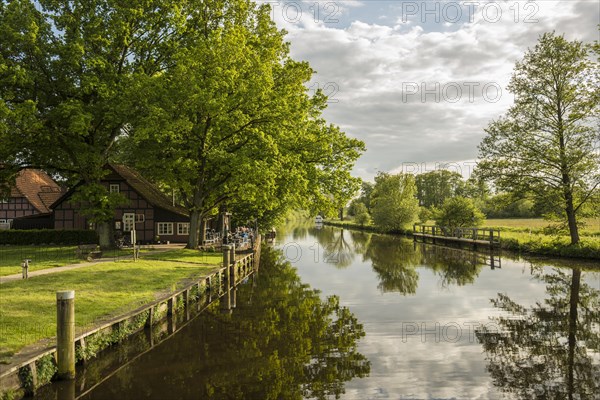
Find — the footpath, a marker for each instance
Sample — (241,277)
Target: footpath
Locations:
(83,264)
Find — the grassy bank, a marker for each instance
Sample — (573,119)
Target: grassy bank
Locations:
(521,236)
(28,312)
(43,257)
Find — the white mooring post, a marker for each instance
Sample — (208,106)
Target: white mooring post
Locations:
(25,268)
(65,334)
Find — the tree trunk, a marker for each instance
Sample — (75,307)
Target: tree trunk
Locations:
(194,237)
(341,213)
(572,219)
(105,236)
(202,236)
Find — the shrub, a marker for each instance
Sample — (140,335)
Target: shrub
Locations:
(459,212)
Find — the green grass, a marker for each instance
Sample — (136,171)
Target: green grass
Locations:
(43,257)
(28,308)
(591,225)
(187,255)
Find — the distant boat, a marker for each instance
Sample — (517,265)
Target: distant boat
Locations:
(318,219)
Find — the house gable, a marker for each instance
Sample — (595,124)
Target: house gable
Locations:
(33,193)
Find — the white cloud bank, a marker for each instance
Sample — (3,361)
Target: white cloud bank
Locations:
(411,86)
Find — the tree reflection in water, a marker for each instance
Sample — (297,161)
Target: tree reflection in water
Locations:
(282,341)
(394,260)
(550,350)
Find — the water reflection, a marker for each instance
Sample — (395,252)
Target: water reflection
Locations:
(550,350)
(544,348)
(272,338)
(395,260)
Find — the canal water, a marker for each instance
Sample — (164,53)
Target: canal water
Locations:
(343,314)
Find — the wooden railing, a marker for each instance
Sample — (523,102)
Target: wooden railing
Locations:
(474,235)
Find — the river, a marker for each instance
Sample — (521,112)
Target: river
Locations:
(338,313)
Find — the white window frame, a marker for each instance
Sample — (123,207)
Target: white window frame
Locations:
(183,228)
(164,228)
(114,188)
(128,222)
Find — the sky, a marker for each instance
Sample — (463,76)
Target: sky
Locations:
(418,81)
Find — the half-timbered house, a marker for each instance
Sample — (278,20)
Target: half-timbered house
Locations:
(152,214)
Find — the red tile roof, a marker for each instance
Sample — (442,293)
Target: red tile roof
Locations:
(39,189)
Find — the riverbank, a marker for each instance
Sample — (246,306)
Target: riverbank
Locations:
(113,301)
(530,243)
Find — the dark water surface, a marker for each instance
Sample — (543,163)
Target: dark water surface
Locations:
(361,316)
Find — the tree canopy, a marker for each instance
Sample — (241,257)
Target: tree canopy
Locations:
(434,187)
(202,96)
(393,201)
(458,212)
(233,124)
(546,144)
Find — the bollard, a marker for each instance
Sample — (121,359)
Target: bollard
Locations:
(233,265)
(25,266)
(65,334)
(227,262)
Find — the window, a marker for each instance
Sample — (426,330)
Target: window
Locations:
(165,228)
(128,222)
(114,188)
(183,228)
(139,218)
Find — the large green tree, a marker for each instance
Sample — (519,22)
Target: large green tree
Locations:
(232,123)
(69,73)
(393,202)
(546,144)
(434,187)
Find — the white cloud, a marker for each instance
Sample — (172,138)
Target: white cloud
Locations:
(373,65)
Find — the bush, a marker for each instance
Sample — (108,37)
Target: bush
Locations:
(459,212)
(47,236)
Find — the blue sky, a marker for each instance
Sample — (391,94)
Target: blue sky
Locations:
(418,81)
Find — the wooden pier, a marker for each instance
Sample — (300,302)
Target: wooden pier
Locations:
(471,236)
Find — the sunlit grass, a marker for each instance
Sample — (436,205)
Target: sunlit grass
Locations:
(591,226)
(28,307)
(43,257)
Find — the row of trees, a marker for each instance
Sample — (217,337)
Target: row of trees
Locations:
(541,158)
(201,96)
(396,202)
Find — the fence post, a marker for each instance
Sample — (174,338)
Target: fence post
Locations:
(65,334)
(227,262)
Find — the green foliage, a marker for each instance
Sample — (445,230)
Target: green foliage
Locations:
(426,214)
(506,206)
(393,201)
(434,187)
(107,337)
(70,81)
(231,123)
(459,212)
(46,368)
(546,144)
(362,216)
(47,236)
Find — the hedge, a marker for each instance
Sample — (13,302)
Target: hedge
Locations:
(47,236)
